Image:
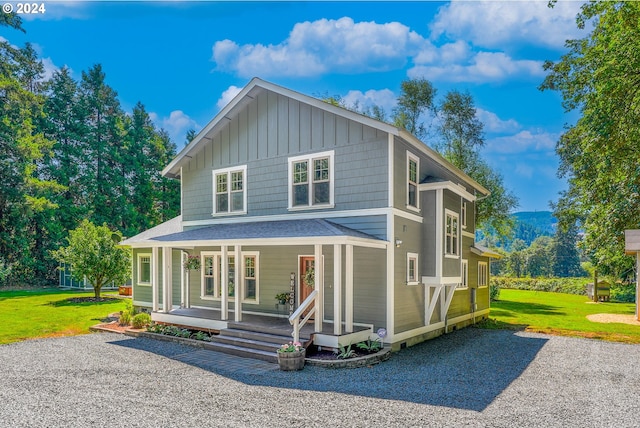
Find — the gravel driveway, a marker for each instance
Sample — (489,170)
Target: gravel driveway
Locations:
(471,378)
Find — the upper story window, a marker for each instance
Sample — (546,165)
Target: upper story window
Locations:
(311,181)
(413,168)
(230,190)
(451,234)
(144,269)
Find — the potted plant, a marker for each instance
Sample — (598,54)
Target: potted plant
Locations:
(282,298)
(192,263)
(291,356)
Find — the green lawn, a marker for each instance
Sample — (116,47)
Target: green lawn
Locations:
(47,313)
(561,314)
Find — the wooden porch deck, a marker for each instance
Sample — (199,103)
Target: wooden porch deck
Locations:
(210,319)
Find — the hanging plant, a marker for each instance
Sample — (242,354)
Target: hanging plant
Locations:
(192,263)
(310,277)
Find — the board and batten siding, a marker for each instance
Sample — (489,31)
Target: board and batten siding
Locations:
(265,134)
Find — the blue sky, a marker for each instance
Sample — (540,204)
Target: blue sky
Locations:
(185,60)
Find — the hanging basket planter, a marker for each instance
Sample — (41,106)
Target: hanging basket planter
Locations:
(192,263)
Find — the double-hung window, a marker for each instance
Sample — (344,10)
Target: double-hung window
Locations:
(311,181)
(463,215)
(451,234)
(212,273)
(464,274)
(412,269)
(413,168)
(483,274)
(230,190)
(144,269)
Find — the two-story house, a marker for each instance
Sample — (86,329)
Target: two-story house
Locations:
(364,225)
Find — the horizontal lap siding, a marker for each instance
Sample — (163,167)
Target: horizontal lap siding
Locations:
(369,286)
(268,131)
(409,299)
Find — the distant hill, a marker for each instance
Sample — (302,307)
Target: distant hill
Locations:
(544,221)
(529,225)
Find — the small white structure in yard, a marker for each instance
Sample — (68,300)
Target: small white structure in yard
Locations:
(632,246)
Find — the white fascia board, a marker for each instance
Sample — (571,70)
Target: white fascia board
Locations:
(303,240)
(448,185)
(443,162)
(440,280)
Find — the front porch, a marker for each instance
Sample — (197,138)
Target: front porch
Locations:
(211,320)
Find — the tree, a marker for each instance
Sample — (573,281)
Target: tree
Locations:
(599,78)
(539,257)
(462,136)
(93,252)
(416,100)
(566,258)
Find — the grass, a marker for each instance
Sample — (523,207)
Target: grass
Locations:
(30,314)
(560,314)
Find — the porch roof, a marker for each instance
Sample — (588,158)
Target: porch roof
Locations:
(297,231)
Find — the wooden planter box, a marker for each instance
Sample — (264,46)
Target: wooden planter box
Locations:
(125,290)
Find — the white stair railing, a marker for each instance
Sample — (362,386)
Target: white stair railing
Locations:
(294,319)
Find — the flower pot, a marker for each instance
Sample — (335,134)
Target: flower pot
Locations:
(290,361)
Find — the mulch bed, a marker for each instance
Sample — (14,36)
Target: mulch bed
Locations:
(91,299)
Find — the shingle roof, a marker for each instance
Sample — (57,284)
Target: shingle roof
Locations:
(168,227)
(265,229)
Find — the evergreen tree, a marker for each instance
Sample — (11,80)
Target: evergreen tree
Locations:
(566,261)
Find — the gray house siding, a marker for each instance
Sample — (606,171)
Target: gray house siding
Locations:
(263,136)
(428,233)
(408,299)
(375,225)
(451,265)
(142,293)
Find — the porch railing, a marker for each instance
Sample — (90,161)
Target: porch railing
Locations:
(294,319)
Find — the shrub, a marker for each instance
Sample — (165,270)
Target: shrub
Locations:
(141,320)
(494,291)
(125,318)
(557,285)
(623,293)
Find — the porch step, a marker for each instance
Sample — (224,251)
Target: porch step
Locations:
(251,341)
(241,351)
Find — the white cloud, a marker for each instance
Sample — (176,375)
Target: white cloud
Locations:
(524,141)
(493,24)
(481,67)
(315,48)
(492,123)
(49,68)
(227,96)
(384,98)
(176,125)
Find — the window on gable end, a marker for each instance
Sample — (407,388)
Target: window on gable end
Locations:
(230,191)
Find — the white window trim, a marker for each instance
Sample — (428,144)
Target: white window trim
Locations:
(309,158)
(483,267)
(463,215)
(228,171)
(216,276)
(139,282)
(217,286)
(455,215)
(464,274)
(411,156)
(416,257)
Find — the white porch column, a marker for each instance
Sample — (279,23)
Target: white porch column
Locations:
(319,286)
(224,282)
(239,286)
(155,279)
(348,289)
(167,276)
(337,289)
(184,277)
